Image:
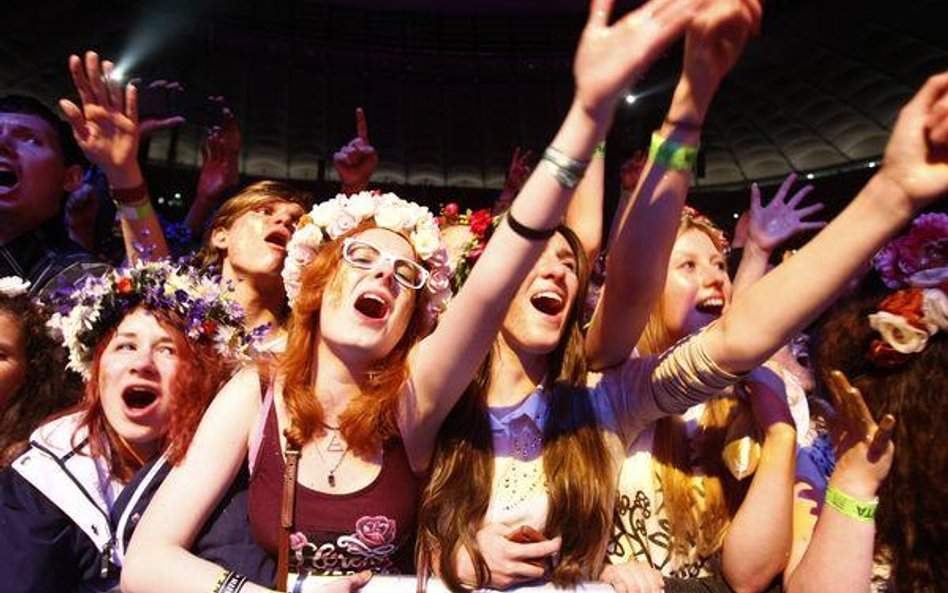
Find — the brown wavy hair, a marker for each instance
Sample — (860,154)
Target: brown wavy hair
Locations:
(369,419)
(200,374)
(912,520)
(578,468)
(44,390)
(255,195)
(698,512)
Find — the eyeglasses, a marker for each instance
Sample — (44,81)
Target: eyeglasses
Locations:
(360,254)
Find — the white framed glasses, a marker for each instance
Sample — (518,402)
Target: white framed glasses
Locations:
(362,254)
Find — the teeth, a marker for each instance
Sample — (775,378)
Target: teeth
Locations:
(5,167)
(375,298)
(715,302)
(549,295)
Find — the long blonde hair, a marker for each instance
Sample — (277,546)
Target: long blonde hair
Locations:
(576,463)
(698,509)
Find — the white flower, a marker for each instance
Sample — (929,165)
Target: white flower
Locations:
(13,286)
(935,309)
(361,205)
(342,224)
(324,213)
(426,242)
(898,332)
(390,216)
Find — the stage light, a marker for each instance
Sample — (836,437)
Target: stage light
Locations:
(630,99)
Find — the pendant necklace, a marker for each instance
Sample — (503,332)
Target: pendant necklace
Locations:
(335,446)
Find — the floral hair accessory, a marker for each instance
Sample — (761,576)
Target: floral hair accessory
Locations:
(919,258)
(917,263)
(333,218)
(689,214)
(906,320)
(207,311)
(13,286)
(480,224)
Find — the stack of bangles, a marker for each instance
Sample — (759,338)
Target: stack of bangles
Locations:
(133,203)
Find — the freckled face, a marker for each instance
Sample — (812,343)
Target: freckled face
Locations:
(255,243)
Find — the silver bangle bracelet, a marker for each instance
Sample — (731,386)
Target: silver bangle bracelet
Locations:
(566,170)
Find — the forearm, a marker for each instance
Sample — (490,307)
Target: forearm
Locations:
(639,251)
(839,556)
(757,545)
(787,299)
(172,568)
(584,214)
(753,267)
(141,230)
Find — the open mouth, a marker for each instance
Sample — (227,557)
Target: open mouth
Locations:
(372,306)
(548,303)
(8,177)
(712,306)
(139,398)
(278,239)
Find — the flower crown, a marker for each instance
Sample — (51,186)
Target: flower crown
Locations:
(333,218)
(917,264)
(207,311)
(481,224)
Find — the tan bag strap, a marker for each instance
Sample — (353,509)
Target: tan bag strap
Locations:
(287,508)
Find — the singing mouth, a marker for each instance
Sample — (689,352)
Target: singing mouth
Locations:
(711,306)
(548,302)
(140,397)
(372,306)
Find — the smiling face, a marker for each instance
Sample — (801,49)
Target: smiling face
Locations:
(33,175)
(136,373)
(255,243)
(365,310)
(697,287)
(538,313)
(13,361)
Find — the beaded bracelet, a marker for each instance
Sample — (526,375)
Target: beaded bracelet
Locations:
(672,155)
(860,510)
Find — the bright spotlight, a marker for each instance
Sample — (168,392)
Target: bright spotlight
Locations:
(630,99)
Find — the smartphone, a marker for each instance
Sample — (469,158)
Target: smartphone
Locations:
(159,102)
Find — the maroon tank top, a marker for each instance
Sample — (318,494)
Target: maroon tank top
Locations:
(370,529)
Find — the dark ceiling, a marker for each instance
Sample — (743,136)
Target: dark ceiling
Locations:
(450,88)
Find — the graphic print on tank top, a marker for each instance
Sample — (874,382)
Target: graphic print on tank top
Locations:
(337,534)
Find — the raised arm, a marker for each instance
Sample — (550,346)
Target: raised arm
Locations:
(914,174)
(638,260)
(608,59)
(769,227)
(107,130)
(219,169)
(584,214)
(840,554)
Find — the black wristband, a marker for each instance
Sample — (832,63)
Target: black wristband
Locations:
(526,232)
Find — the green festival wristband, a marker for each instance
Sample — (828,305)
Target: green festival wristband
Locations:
(860,510)
(672,155)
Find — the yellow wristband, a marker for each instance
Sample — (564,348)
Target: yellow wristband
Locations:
(860,510)
(672,155)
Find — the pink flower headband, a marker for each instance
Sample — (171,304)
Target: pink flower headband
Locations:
(333,218)
(916,263)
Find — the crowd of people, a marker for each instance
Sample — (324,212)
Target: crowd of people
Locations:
(279,387)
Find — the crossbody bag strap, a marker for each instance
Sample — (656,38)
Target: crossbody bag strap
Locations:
(287,508)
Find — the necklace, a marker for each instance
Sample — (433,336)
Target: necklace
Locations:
(335,446)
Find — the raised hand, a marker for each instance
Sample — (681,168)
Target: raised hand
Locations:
(633,577)
(864,449)
(106,127)
(221,151)
(356,161)
(519,170)
(149,126)
(770,226)
(610,58)
(916,157)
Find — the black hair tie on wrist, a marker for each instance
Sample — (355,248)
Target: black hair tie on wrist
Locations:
(526,232)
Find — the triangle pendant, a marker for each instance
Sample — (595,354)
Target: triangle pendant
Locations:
(335,444)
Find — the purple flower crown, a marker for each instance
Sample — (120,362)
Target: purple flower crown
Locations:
(206,310)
